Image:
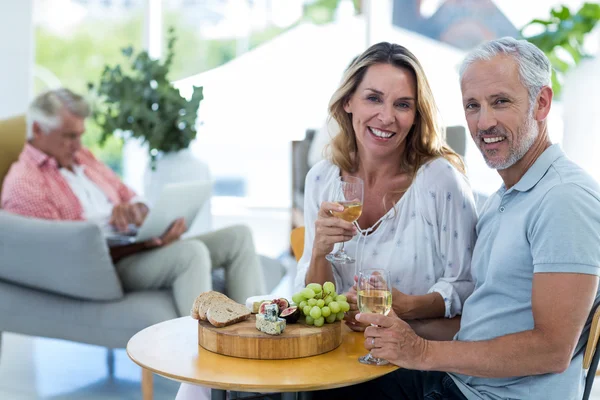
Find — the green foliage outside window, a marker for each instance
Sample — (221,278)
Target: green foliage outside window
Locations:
(563,36)
(79,56)
(323,11)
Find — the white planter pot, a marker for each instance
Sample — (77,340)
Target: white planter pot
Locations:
(181,166)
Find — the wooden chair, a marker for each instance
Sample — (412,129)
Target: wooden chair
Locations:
(297,240)
(591,356)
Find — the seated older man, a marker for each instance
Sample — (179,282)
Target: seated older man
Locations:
(56,178)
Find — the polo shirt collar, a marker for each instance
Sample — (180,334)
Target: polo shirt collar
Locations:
(539,168)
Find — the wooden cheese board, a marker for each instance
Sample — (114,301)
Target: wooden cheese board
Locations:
(245,341)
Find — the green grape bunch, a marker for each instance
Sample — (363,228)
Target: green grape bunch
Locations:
(320,304)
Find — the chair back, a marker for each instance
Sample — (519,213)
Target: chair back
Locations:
(13,132)
(456,138)
(591,356)
(297,241)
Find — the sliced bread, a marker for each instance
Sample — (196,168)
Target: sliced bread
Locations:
(207,300)
(194,310)
(222,313)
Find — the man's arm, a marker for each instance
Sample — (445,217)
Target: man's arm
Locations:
(561,303)
(27,197)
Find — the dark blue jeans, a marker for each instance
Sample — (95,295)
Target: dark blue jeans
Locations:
(402,384)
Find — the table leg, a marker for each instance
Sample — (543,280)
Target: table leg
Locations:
(147,384)
(305,396)
(217,394)
(288,396)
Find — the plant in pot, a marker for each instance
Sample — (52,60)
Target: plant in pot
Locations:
(137,101)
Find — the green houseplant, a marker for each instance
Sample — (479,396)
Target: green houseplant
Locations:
(562,37)
(139,99)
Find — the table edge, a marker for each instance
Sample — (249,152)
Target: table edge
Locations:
(259,388)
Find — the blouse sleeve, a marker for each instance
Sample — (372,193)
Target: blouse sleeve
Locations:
(315,188)
(450,209)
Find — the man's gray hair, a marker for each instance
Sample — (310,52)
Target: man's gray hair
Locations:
(45,109)
(535,70)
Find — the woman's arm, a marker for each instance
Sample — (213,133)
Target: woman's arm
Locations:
(409,307)
(319,270)
(329,230)
(441,329)
(312,266)
(452,212)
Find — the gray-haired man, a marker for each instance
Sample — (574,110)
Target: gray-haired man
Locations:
(535,264)
(56,178)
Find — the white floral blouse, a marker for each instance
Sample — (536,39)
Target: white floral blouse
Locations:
(425,240)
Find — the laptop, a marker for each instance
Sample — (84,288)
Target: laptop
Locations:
(176,200)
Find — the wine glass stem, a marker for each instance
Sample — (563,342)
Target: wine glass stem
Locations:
(342,248)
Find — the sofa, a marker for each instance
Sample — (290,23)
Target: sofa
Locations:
(57,279)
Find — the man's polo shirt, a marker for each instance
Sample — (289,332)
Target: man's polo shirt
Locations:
(548,222)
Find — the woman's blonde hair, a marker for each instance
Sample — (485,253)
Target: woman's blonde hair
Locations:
(424,142)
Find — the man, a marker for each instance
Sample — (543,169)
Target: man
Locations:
(535,263)
(56,178)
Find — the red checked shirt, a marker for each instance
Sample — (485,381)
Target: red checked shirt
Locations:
(34,186)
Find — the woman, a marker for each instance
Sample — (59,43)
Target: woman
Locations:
(418,214)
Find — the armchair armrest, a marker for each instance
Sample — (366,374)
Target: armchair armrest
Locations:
(64,257)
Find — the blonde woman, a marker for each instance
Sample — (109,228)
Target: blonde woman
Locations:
(419,216)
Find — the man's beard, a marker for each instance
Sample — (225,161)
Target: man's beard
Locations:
(526,135)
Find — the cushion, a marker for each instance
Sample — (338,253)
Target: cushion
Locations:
(12,140)
(65,257)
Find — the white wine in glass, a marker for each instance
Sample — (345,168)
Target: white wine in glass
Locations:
(374,288)
(352,210)
(348,191)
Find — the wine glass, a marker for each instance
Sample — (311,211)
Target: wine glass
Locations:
(374,288)
(348,191)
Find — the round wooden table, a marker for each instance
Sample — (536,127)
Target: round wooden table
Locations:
(171,349)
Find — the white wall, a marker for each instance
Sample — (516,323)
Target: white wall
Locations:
(582,120)
(16,53)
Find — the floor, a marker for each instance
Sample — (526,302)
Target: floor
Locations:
(39,368)
(49,369)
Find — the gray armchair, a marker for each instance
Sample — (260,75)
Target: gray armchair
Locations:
(57,279)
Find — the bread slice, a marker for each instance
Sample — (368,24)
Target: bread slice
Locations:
(194,310)
(207,300)
(222,313)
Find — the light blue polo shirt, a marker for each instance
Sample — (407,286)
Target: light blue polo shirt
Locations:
(548,222)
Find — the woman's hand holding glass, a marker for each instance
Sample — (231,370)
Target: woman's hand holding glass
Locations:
(348,192)
(330,230)
(350,316)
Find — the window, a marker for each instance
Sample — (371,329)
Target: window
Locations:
(74,40)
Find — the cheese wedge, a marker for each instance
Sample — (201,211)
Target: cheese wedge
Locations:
(269,327)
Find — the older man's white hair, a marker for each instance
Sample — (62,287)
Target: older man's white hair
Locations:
(45,109)
(535,70)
